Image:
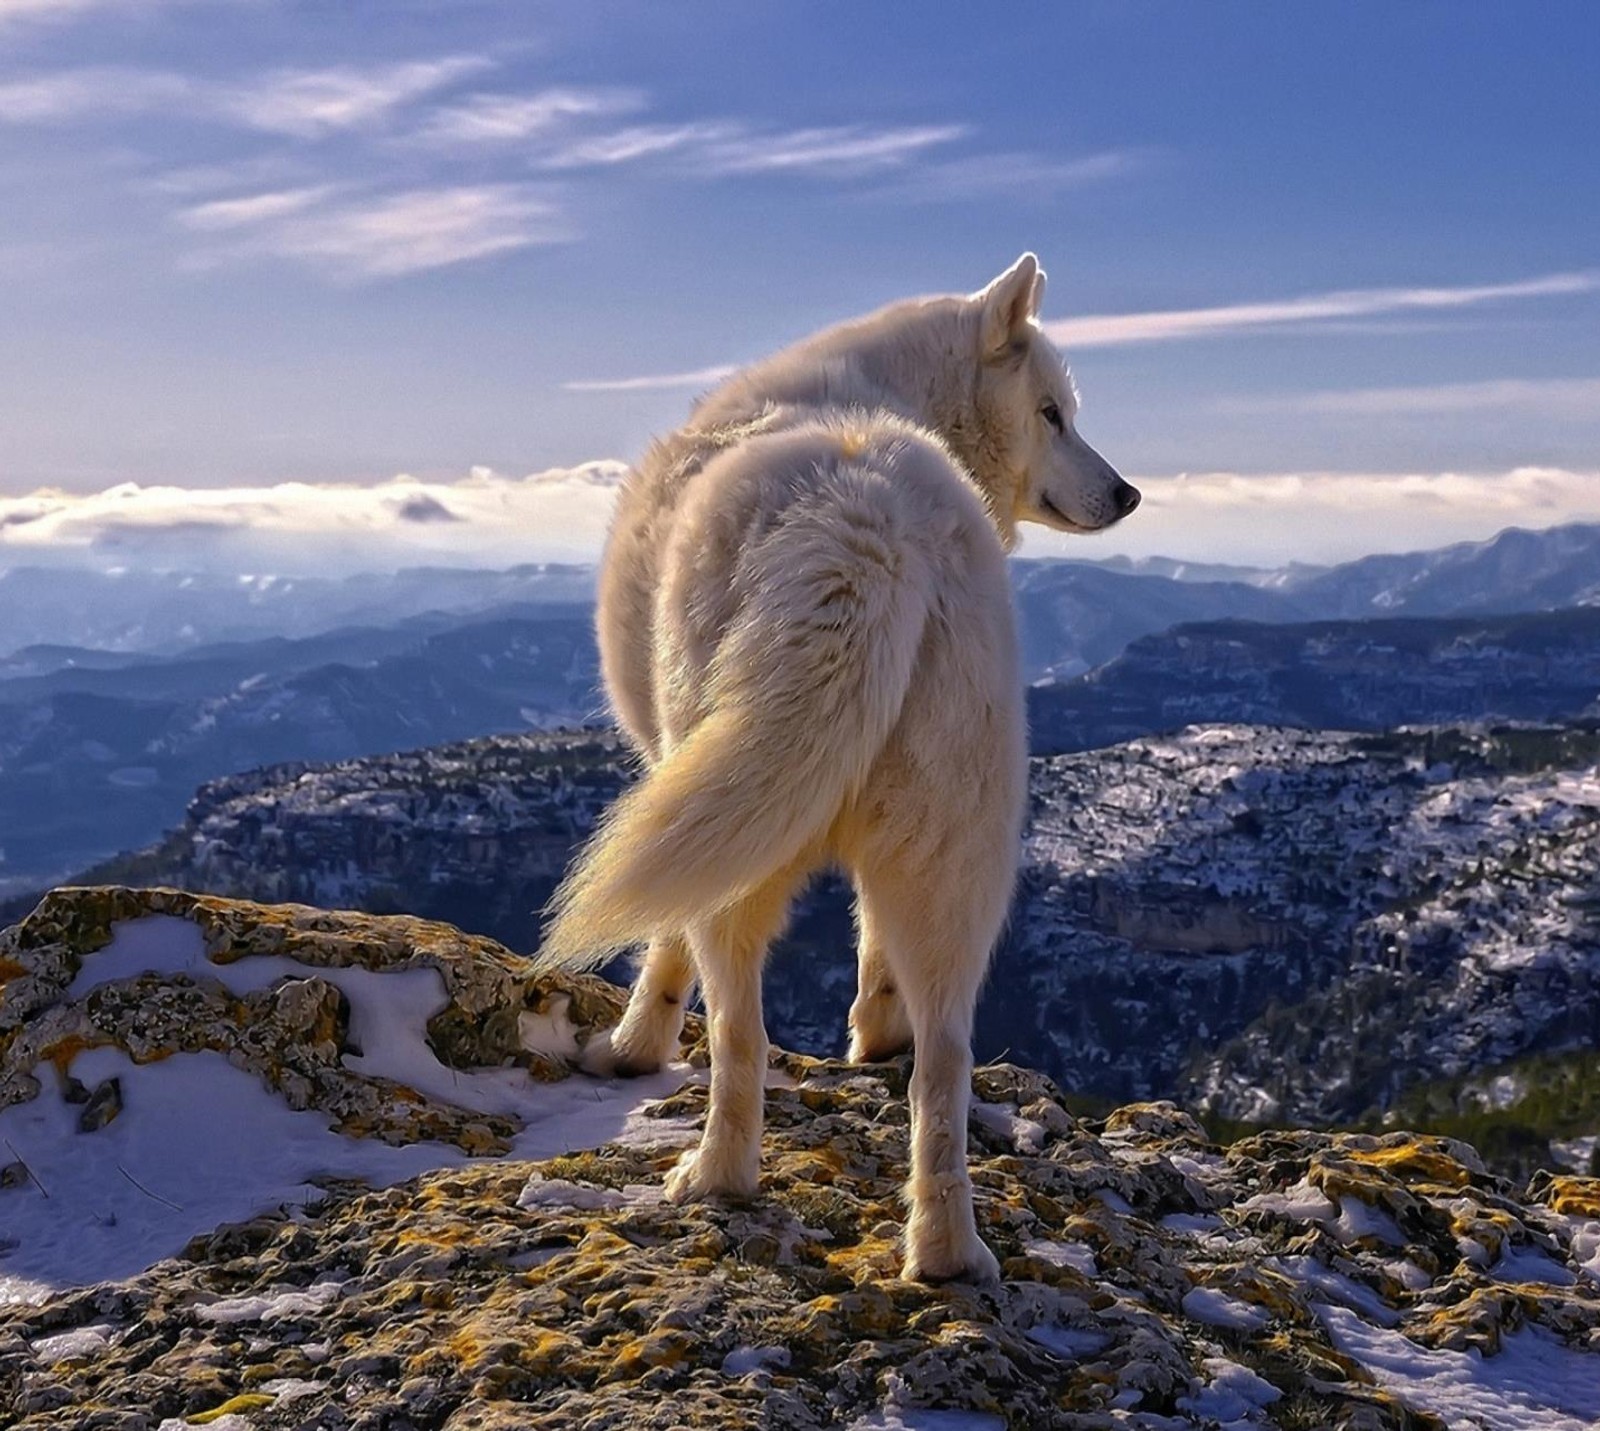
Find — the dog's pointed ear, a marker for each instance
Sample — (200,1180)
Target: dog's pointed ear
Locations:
(1010,303)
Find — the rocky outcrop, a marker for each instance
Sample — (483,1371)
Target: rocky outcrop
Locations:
(294,1032)
(1151,1278)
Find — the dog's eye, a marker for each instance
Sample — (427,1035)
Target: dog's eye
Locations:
(1052,414)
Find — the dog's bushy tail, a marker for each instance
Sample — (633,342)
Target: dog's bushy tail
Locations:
(802,695)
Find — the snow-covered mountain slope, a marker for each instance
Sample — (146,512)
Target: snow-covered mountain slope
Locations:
(1074,616)
(1303,925)
(357,1097)
(1517,570)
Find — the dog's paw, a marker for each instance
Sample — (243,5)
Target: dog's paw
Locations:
(607,1056)
(879,1028)
(696,1178)
(964,1259)
(865,1050)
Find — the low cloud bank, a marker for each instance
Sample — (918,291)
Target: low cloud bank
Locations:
(486,519)
(483,519)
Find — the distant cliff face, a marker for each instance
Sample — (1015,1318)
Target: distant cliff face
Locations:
(1265,923)
(486,1245)
(479,832)
(1283,924)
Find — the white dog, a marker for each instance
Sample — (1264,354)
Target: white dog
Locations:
(806,627)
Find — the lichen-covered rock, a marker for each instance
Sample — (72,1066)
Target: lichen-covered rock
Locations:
(1150,1278)
(293,1032)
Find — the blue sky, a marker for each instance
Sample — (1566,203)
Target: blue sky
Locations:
(253,242)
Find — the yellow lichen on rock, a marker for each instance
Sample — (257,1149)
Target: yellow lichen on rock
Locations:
(1416,1160)
(1574,1197)
(245,1401)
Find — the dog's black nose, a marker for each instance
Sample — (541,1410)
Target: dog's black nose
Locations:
(1126,497)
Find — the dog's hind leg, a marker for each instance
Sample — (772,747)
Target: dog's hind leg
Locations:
(729,951)
(942,1241)
(646,1039)
(879,1026)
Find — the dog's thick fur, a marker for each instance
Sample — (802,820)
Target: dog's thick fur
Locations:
(806,627)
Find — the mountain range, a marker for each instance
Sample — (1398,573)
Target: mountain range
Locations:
(1334,675)
(1077,613)
(127,609)
(129,689)
(98,757)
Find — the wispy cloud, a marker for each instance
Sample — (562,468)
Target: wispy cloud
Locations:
(236,176)
(698,378)
(726,148)
(375,207)
(300,103)
(46,10)
(484,119)
(637,141)
(1547,397)
(41,9)
(309,103)
(91,93)
(1114,329)
(850,150)
(255,208)
(383,235)
(407,130)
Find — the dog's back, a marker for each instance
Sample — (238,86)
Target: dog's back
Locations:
(808,587)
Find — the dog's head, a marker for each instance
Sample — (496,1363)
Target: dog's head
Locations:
(1027,452)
